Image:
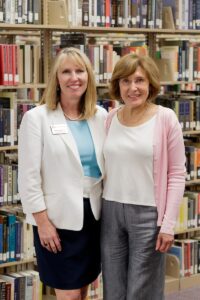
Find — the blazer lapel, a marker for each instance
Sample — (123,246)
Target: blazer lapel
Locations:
(58,118)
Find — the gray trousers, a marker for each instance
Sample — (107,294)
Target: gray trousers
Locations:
(132,269)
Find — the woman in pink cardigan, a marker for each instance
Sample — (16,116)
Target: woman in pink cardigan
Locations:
(145,180)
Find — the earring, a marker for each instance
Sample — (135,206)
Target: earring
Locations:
(58,89)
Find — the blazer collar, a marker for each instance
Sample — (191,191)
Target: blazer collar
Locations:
(67,138)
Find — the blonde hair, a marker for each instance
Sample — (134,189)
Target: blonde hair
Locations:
(126,66)
(51,95)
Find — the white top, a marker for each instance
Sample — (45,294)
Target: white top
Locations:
(128,152)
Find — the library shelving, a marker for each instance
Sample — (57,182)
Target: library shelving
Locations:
(45,33)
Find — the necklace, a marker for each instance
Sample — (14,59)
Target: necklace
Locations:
(137,120)
(70,118)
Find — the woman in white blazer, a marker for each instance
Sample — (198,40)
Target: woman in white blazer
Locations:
(60,176)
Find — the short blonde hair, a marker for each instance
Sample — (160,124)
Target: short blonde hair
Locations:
(126,66)
(51,95)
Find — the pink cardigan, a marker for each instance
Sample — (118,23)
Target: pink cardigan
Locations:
(168,167)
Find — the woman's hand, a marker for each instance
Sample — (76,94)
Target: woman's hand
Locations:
(47,232)
(164,242)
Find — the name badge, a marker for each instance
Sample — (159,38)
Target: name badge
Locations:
(59,129)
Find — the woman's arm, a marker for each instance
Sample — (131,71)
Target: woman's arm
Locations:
(175,176)
(30,180)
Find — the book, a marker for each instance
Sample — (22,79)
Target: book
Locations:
(37,285)
(21,284)
(28,284)
(2,289)
(4,65)
(10,286)
(8,292)
(11,219)
(37,10)
(3,239)
(9,106)
(85,13)
(56,13)
(165,68)
(168,19)
(18,239)
(77,40)
(16,283)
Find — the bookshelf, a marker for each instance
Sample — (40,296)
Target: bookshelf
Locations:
(17,263)
(45,33)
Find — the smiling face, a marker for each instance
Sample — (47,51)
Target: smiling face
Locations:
(134,89)
(73,79)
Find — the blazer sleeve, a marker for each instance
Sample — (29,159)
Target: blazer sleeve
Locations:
(30,150)
(175,175)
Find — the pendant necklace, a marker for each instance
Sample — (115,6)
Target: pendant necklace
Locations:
(141,115)
(71,119)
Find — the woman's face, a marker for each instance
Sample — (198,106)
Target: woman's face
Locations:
(73,80)
(134,89)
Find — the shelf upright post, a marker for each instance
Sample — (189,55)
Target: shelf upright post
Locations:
(151,43)
(46,48)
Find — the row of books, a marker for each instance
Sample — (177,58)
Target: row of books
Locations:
(179,14)
(8,59)
(181,87)
(189,213)
(182,14)
(192,154)
(103,56)
(21,11)
(22,285)
(16,237)
(176,60)
(11,113)
(180,60)
(8,184)
(188,253)
(19,64)
(186,107)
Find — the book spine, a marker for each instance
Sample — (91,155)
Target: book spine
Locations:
(37,12)
(18,240)
(85,13)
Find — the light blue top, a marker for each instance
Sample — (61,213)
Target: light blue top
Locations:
(81,133)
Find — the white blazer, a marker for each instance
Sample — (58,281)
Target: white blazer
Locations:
(50,170)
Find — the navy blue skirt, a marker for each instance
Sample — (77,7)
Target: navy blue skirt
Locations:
(78,264)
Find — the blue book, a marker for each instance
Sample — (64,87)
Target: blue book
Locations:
(11,219)
(177,251)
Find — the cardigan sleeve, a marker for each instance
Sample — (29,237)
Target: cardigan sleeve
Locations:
(175,174)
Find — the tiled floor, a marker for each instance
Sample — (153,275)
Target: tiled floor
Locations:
(187,294)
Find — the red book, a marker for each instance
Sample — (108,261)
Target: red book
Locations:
(15,65)
(3,65)
(10,64)
(108,12)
